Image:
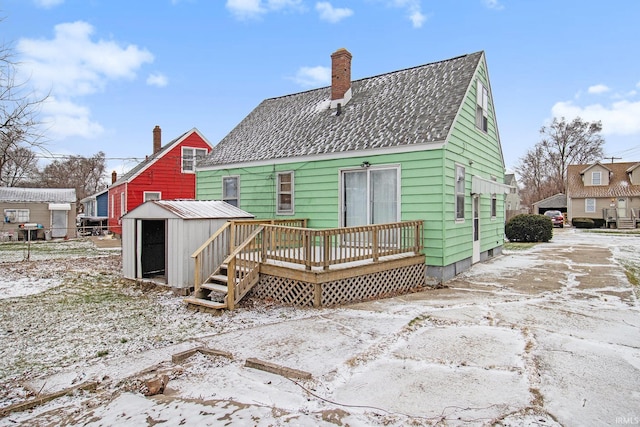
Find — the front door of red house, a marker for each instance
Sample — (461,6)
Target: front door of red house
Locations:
(152,248)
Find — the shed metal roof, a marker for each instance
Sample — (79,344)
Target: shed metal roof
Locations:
(37,195)
(192,209)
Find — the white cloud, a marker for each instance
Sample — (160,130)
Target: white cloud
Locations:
(598,89)
(244,9)
(71,65)
(493,4)
(414,10)
(332,14)
(157,79)
(619,118)
(65,118)
(313,76)
(48,3)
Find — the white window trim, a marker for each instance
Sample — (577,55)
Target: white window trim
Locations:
(593,178)
(455,192)
(122,204)
(280,211)
(482,101)
(193,159)
(224,199)
(586,205)
(146,193)
(16,216)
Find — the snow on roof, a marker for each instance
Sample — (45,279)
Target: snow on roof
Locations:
(37,195)
(194,209)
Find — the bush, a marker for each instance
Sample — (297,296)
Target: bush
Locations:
(583,223)
(529,228)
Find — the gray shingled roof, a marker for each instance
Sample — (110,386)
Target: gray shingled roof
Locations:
(411,106)
(37,195)
(556,201)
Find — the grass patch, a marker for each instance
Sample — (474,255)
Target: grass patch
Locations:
(518,246)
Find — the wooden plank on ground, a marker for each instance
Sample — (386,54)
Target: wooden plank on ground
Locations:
(29,404)
(277,369)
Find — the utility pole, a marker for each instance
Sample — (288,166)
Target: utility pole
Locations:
(612,158)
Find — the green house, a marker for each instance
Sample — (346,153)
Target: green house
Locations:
(415,144)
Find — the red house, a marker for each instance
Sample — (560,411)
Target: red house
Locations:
(169,173)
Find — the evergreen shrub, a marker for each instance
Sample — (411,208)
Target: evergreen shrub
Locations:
(583,223)
(529,228)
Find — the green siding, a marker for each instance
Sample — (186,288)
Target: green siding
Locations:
(427,186)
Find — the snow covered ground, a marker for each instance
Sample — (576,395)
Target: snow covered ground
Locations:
(543,336)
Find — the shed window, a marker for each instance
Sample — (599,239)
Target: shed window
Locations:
(596,178)
(460,185)
(231,190)
(285,193)
(152,195)
(590,205)
(16,216)
(482,104)
(190,156)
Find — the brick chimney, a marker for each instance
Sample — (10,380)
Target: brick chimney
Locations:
(157,139)
(340,76)
(114,177)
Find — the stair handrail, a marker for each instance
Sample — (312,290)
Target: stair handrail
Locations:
(231,262)
(197,255)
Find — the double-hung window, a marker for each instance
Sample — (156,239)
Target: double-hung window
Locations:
(596,178)
(285,193)
(460,186)
(590,205)
(482,105)
(16,215)
(231,190)
(190,156)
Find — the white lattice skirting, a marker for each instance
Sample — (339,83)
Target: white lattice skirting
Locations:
(381,284)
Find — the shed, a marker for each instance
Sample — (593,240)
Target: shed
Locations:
(159,236)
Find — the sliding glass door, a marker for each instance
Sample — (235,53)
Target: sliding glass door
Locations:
(370,196)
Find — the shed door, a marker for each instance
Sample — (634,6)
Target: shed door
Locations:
(152,248)
(58,223)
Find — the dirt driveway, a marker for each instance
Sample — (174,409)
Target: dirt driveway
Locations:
(546,336)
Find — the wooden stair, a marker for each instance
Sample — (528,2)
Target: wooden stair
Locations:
(212,291)
(625,224)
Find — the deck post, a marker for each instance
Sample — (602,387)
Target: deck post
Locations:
(232,237)
(307,240)
(327,250)
(374,243)
(231,283)
(317,295)
(196,275)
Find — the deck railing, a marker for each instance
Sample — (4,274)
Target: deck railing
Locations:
(211,254)
(243,267)
(325,248)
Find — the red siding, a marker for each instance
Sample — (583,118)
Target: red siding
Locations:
(164,175)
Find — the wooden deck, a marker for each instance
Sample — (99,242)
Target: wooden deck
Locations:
(293,264)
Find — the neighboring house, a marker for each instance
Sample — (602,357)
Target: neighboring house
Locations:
(557,202)
(606,192)
(51,210)
(95,213)
(512,199)
(169,173)
(416,144)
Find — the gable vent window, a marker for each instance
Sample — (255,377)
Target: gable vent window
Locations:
(482,103)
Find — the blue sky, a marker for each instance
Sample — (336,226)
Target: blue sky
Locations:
(115,69)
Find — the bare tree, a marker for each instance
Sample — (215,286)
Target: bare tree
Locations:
(85,174)
(20,168)
(543,169)
(19,128)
